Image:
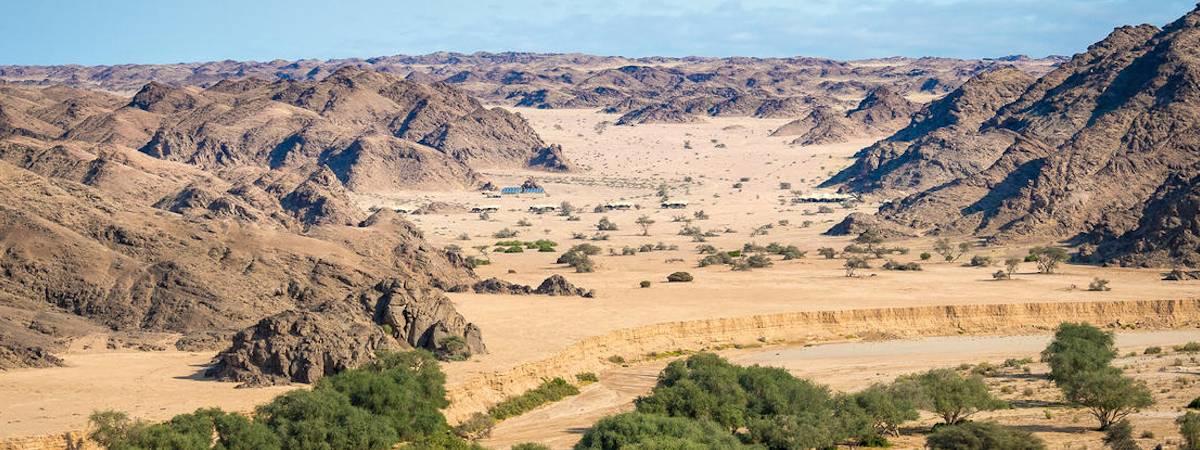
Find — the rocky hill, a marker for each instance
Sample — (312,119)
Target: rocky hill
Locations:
(941,143)
(223,216)
(1093,151)
(881,111)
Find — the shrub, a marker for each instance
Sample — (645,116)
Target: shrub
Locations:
(605,225)
(853,264)
(982,436)
(504,234)
(827,252)
(530,446)
(1099,285)
(586,249)
(1190,347)
(478,426)
(925,256)
(584,265)
(1189,428)
(452,348)
(680,277)
(549,391)
(651,431)
(1120,437)
(644,284)
(587,377)
(524,223)
(758,261)
(706,249)
(1001,275)
(910,267)
(1152,350)
(980,261)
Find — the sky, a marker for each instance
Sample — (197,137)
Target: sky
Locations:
(168,31)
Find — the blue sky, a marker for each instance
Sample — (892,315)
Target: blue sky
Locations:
(165,31)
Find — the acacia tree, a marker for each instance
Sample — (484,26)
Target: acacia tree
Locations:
(1120,437)
(949,394)
(1108,395)
(871,237)
(1048,258)
(645,222)
(1077,348)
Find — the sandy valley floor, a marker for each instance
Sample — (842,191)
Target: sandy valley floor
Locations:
(626,164)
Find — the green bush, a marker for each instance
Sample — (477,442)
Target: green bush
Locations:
(397,398)
(649,431)
(478,426)
(530,446)
(1152,350)
(1189,428)
(548,392)
(586,377)
(1190,347)
(644,284)
(982,436)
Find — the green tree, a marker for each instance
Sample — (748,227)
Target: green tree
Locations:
(871,237)
(949,394)
(885,407)
(323,419)
(406,390)
(1108,395)
(982,436)
(1048,258)
(1077,348)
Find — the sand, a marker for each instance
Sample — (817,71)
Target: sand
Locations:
(615,164)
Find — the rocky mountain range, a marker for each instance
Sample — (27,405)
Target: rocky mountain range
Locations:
(223,215)
(1103,151)
(643,90)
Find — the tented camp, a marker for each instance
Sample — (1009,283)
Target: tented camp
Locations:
(674,204)
(823,198)
(618,206)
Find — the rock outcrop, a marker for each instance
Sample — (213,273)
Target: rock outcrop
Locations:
(1088,153)
(555,285)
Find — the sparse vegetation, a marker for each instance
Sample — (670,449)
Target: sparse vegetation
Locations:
(549,391)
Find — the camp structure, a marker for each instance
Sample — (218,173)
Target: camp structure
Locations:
(674,204)
(618,206)
(485,209)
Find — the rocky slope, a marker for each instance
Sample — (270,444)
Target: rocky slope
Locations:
(1087,152)
(941,143)
(223,216)
(881,111)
